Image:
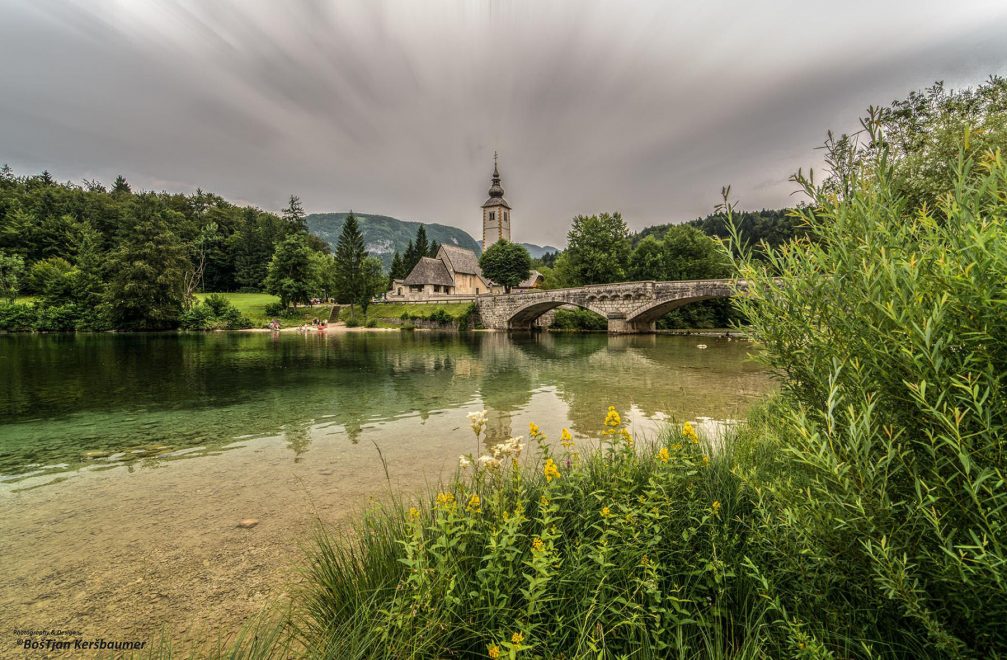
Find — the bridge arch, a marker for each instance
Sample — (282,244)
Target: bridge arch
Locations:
(651,311)
(524,317)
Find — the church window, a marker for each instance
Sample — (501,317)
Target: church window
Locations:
(493,215)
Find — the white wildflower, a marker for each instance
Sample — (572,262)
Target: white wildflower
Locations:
(489,461)
(464,462)
(478,421)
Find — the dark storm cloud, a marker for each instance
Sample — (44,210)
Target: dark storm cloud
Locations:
(396,107)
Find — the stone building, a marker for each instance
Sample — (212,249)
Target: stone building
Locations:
(453,272)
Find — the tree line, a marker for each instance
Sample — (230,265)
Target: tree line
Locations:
(97,258)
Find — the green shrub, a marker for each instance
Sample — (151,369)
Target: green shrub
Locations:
(578,319)
(469,318)
(352,322)
(215,312)
(371,323)
(888,509)
(275,309)
(408,326)
(17,317)
(57,318)
(440,316)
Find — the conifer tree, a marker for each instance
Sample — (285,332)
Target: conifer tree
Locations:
(421,245)
(350,254)
(294,216)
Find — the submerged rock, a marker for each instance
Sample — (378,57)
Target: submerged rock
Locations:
(247,523)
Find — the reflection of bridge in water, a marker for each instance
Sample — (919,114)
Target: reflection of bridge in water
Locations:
(630,307)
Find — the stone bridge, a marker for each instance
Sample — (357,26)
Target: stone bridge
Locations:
(630,307)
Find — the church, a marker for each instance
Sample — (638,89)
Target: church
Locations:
(455,271)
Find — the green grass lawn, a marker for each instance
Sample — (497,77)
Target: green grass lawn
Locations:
(393,311)
(253,305)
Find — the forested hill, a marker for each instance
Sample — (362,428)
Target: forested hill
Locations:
(384,235)
(538,251)
(774,226)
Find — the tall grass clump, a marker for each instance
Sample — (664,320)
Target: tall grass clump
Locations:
(880,497)
(609,551)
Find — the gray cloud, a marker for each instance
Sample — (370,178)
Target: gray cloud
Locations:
(396,107)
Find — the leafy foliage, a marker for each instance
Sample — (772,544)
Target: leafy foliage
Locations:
(292,274)
(215,312)
(506,263)
(11,273)
(888,333)
(597,251)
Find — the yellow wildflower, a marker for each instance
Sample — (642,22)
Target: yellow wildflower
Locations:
(517,638)
(706,459)
(645,561)
(612,418)
(690,433)
(663,455)
(551,471)
(537,545)
(533,430)
(543,501)
(475,504)
(445,501)
(676,446)
(716,506)
(626,436)
(605,512)
(566,439)
(493,651)
(414,513)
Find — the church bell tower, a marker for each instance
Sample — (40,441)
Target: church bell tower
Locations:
(496,212)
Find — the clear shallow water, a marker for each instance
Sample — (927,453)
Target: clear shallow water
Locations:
(97,401)
(128,460)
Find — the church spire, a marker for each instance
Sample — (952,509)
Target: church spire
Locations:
(496,190)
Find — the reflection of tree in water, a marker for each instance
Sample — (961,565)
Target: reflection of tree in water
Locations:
(298,437)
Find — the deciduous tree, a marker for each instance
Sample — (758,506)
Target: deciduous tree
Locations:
(506,263)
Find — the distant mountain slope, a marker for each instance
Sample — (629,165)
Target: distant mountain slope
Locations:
(536,251)
(384,235)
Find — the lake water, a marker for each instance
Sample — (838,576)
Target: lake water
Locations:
(126,460)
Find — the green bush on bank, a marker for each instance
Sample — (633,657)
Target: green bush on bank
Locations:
(889,334)
(214,312)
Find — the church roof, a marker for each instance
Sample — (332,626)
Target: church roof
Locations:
(460,260)
(496,201)
(534,277)
(429,271)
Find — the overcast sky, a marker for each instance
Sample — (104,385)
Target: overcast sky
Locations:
(396,107)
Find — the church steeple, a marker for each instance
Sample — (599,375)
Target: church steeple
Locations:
(496,211)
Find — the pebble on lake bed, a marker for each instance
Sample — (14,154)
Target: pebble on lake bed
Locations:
(247,523)
(700,345)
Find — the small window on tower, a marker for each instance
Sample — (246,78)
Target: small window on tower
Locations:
(493,215)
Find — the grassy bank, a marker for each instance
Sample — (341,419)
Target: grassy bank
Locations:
(253,305)
(390,314)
